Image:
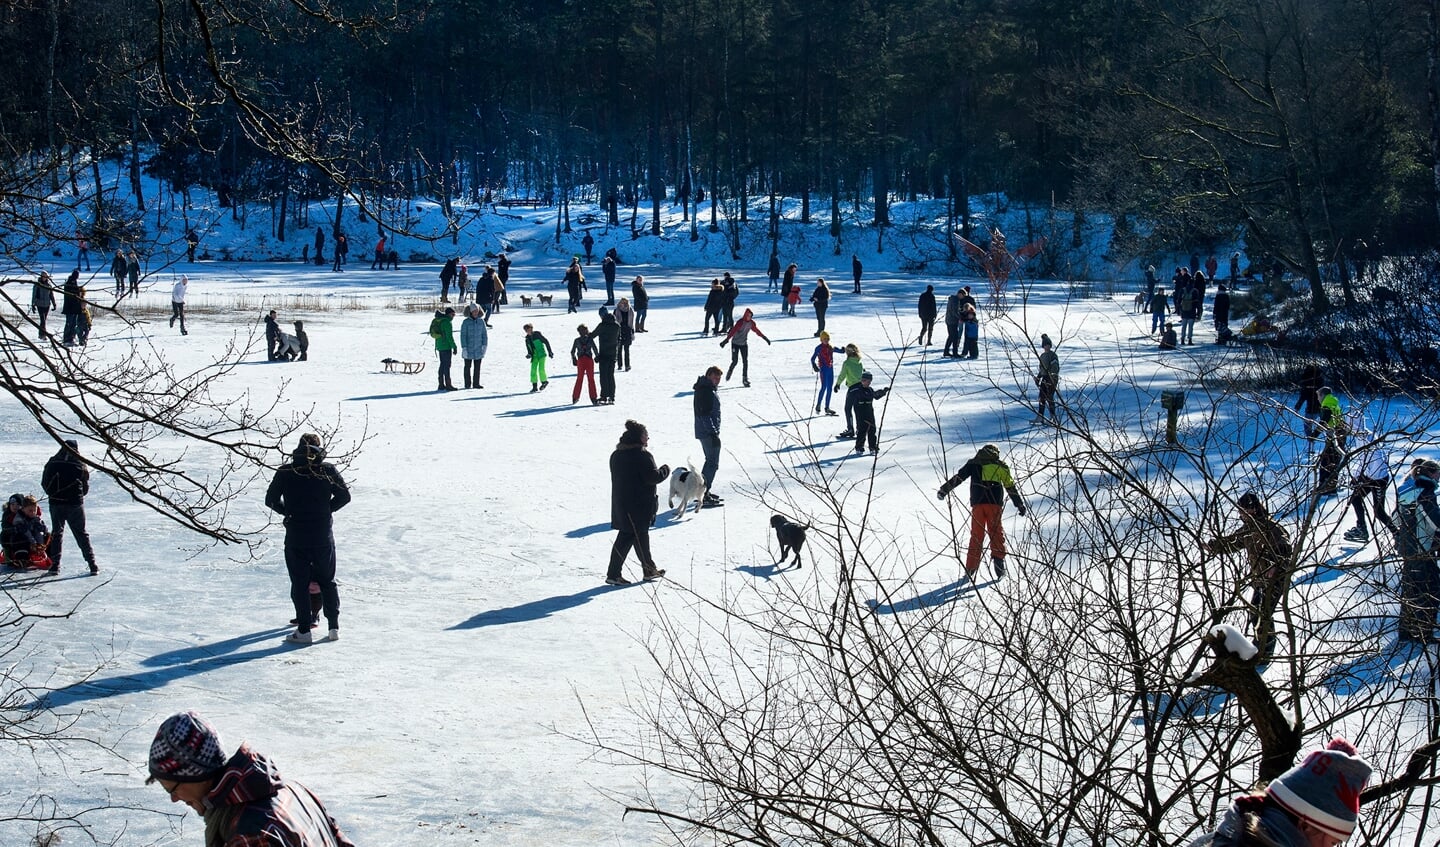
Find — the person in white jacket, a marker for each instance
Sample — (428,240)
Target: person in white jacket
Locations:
(1372,480)
(177,303)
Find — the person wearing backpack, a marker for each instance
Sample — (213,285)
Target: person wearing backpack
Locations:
(1185,306)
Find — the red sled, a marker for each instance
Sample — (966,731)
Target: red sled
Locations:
(31,561)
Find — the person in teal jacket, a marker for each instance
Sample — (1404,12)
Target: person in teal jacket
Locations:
(443,331)
(850,371)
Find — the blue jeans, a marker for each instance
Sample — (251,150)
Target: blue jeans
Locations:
(711,445)
(1156,322)
(827,387)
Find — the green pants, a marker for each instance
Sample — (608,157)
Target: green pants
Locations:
(537,369)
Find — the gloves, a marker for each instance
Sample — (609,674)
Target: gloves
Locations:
(574,361)
(941,494)
(767,342)
(527,355)
(723,343)
(815,368)
(664,471)
(1021,509)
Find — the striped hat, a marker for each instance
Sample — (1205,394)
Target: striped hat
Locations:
(1324,790)
(186,749)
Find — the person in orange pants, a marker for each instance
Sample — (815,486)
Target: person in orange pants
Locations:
(990,481)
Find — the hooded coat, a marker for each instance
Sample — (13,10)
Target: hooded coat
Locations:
(252,806)
(739,334)
(707,408)
(607,337)
(443,331)
(474,337)
(307,490)
(633,477)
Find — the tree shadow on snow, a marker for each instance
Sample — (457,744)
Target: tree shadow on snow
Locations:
(536,609)
(177,664)
(1372,669)
(1326,571)
(937,597)
(1192,703)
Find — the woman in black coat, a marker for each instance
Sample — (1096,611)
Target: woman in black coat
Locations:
(633,501)
(73,308)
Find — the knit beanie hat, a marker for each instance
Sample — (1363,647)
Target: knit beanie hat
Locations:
(1324,790)
(186,749)
(634,432)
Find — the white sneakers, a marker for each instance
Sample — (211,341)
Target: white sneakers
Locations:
(306,637)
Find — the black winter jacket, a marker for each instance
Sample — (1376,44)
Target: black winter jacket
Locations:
(633,477)
(928,307)
(65,480)
(307,490)
(607,337)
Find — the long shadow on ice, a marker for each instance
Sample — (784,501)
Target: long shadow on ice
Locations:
(177,664)
(936,597)
(1371,670)
(534,610)
(425,393)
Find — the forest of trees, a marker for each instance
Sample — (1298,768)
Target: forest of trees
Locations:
(1310,126)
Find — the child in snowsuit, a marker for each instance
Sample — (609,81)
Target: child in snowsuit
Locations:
(792,300)
(537,347)
(850,372)
(28,536)
(864,404)
(822,362)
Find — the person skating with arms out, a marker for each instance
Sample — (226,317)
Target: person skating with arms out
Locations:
(822,362)
(990,481)
(740,349)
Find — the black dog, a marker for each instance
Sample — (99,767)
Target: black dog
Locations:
(790,535)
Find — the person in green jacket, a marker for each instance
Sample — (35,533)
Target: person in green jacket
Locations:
(443,331)
(849,376)
(537,348)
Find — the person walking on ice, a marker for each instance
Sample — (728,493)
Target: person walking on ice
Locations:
(307,491)
(990,481)
(1048,378)
(740,350)
(850,371)
(865,426)
(633,502)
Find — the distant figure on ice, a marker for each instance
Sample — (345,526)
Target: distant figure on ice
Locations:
(588,242)
(379,261)
(448,272)
(42,299)
(625,317)
(1168,339)
(72,306)
(537,349)
(242,798)
(787,286)
(502,267)
(1047,378)
(642,302)
(319,246)
(582,356)
(177,303)
(714,303)
(850,371)
(1159,306)
(706,403)
(952,326)
(607,268)
(119,269)
(132,271)
(302,340)
(1372,480)
(969,331)
(342,252)
(607,350)
(84,254)
(474,340)
(192,240)
(928,309)
(272,337)
(772,272)
(821,298)
(727,302)
(990,481)
(1308,403)
(574,284)
(857,269)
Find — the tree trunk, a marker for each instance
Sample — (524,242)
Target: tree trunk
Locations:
(882,190)
(50,50)
(99,191)
(1432,91)
(135,185)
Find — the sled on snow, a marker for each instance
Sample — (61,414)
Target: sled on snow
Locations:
(395,366)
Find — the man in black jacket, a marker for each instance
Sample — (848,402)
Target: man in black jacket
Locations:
(307,491)
(707,429)
(66,481)
(864,399)
(607,346)
(272,337)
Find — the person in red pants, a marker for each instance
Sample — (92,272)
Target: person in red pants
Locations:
(582,356)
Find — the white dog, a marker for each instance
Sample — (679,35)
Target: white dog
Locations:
(688,485)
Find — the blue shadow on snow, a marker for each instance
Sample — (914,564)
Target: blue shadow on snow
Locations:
(937,597)
(1371,669)
(536,609)
(174,665)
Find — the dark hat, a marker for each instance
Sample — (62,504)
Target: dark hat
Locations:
(1250,500)
(604,312)
(867,375)
(1324,790)
(186,749)
(72,444)
(450,310)
(634,432)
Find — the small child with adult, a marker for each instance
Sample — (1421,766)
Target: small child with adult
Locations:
(537,349)
(850,371)
(582,356)
(864,403)
(822,362)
